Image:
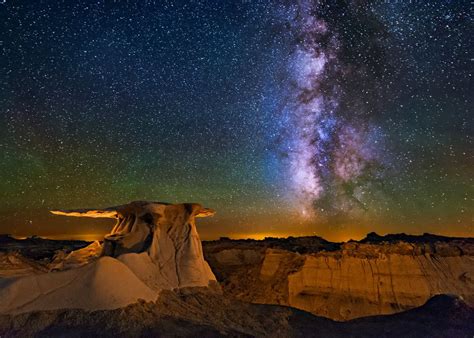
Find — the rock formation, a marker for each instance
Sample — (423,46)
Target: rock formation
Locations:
(344,280)
(13,263)
(153,247)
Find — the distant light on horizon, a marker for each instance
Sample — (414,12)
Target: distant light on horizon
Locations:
(313,117)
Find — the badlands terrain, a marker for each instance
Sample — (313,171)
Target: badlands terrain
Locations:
(388,286)
(377,275)
(152,276)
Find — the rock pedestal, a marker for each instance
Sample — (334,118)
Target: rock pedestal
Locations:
(154,246)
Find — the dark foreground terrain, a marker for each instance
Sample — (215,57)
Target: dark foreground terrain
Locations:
(203,314)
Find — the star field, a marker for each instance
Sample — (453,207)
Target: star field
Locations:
(288,119)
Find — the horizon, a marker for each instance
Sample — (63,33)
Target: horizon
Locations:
(334,119)
(257,237)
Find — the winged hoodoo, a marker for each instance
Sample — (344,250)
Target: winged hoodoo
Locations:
(154,246)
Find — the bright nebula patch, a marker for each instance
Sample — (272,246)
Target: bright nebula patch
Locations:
(332,154)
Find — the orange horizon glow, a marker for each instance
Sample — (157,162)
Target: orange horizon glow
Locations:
(332,237)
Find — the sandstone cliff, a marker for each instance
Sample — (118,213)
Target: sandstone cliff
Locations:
(378,275)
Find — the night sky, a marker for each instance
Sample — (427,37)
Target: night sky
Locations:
(332,118)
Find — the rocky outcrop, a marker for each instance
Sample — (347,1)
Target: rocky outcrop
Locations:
(153,247)
(38,248)
(348,280)
(15,264)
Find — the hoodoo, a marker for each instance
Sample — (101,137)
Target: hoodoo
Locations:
(154,246)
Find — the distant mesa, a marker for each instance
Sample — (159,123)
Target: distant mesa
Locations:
(154,246)
(373,238)
(5,238)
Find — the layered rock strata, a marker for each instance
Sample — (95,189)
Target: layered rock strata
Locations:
(347,280)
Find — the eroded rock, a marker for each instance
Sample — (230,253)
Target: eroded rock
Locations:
(342,281)
(153,247)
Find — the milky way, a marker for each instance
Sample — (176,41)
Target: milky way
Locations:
(354,115)
(332,158)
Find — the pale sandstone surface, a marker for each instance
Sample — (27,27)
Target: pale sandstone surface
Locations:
(153,247)
(349,280)
(357,287)
(104,284)
(76,258)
